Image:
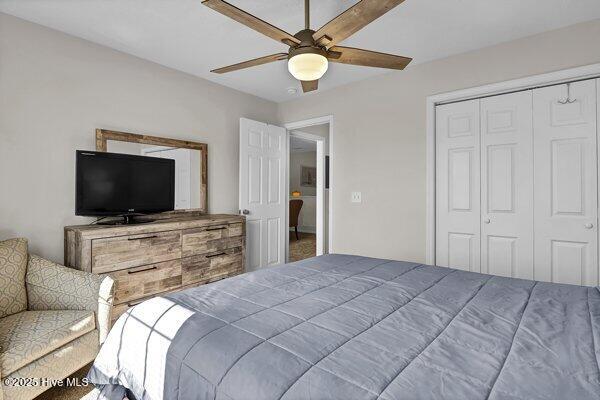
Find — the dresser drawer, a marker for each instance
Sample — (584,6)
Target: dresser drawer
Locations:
(119,309)
(121,252)
(211,239)
(212,266)
(135,283)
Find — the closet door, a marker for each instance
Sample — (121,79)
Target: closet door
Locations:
(458,186)
(566,195)
(507,185)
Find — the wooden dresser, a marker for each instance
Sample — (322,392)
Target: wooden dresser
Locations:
(154,258)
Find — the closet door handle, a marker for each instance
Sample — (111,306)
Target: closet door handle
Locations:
(487,221)
(589,225)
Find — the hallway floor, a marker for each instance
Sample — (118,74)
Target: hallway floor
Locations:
(306,247)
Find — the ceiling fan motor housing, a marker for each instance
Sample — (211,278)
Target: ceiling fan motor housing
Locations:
(307,44)
(307,50)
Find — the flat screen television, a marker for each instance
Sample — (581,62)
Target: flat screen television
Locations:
(111,184)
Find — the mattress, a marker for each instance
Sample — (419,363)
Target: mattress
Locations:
(348,327)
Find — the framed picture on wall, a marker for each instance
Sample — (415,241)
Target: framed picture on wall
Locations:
(308,178)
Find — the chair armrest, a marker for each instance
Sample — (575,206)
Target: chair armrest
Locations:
(51,286)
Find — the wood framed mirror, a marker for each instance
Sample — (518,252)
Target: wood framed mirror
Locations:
(191,159)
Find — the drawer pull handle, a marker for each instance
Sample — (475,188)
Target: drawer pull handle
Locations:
(141,270)
(142,238)
(216,229)
(216,255)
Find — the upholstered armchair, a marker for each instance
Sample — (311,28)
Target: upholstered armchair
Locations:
(53,320)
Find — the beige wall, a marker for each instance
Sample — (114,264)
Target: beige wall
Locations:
(378,144)
(297,161)
(56,89)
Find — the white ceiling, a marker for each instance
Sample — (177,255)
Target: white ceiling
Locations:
(299,145)
(184,35)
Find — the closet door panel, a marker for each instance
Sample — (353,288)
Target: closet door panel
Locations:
(507,185)
(566,191)
(458,186)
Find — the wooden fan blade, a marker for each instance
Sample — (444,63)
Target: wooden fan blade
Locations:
(309,86)
(251,63)
(367,58)
(251,21)
(352,20)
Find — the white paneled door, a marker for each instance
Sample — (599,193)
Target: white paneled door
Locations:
(458,186)
(262,192)
(566,205)
(507,185)
(517,184)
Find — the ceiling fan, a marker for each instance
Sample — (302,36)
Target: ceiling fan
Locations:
(310,51)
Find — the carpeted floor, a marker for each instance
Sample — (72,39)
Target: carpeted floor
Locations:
(69,393)
(306,247)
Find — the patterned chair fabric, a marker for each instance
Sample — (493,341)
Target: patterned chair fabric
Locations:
(57,365)
(51,286)
(13,264)
(30,335)
(59,330)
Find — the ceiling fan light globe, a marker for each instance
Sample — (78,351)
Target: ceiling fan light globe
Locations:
(308,66)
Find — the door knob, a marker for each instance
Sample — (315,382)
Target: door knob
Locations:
(245,212)
(487,221)
(589,225)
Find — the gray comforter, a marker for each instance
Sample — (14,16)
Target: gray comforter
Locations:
(347,327)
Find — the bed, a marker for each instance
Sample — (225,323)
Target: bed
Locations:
(348,327)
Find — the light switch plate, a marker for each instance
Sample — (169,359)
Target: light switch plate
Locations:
(356,197)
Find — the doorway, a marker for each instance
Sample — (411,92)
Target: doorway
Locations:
(264,187)
(308,190)
(303,198)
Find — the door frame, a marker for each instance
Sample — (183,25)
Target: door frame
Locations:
(591,71)
(321,204)
(320,190)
